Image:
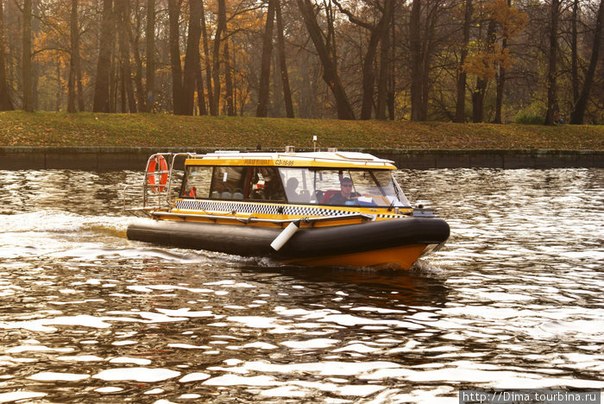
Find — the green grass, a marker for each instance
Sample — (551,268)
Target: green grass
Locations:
(19,128)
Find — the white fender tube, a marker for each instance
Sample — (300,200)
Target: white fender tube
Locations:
(285,235)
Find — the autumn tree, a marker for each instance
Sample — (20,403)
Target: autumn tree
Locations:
(491,58)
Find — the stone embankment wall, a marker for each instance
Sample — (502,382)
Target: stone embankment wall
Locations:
(134,158)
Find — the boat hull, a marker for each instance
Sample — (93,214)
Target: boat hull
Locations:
(397,242)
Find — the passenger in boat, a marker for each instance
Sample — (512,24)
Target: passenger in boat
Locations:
(291,186)
(272,189)
(345,196)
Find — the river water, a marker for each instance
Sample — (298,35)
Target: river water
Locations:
(514,300)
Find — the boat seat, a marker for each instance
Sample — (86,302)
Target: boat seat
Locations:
(215,195)
(226,195)
(237,195)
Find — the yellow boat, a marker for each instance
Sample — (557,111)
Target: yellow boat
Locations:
(328,208)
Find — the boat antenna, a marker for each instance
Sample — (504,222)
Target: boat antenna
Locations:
(314,142)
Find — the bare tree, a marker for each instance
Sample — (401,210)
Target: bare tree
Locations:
(552,114)
(287,93)
(460,105)
(103,71)
(5,99)
(326,55)
(176,68)
(377,32)
(27,73)
(220,29)
(122,9)
(150,55)
(578,113)
(192,63)
(265,66)
(208,64)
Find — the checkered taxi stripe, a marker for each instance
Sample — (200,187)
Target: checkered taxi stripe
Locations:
(266,209)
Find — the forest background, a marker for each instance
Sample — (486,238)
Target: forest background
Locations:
(523,61)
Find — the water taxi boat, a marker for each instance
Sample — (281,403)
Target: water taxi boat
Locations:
(318,208)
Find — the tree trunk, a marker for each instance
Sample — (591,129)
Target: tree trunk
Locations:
(500,88)
(201,98)
(123,16)
(138,63)
(385,70)
(177,88)
(578,113)
(481,81)
(369,65)
(150,55)
(287,92)
(5,99)
(28,96)
(208,63)
(552,114)
(418,111)
(330,73)
(265,66)
(501,76)
(192,58)
(460,105)
(574,53)
(74,31)
(228,80)
(392,85)
(220,28)
(102,92)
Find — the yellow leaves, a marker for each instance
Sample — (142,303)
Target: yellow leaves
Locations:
(489,56)
(510,19)
(484,64)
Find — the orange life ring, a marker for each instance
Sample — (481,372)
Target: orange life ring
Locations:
(157,167)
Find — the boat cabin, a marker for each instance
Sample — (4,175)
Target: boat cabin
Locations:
(319,178)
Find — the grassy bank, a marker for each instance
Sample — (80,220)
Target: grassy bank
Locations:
(161,130)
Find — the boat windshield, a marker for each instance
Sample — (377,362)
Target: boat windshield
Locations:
(342,187)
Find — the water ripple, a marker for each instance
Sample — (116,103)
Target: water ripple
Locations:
(514,299)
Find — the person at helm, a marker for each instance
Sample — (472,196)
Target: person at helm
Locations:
(346,196)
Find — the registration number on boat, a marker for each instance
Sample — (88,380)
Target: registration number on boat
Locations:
(287,163)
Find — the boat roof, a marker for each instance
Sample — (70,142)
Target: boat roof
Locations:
(322,159)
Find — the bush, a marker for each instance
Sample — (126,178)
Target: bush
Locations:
(529,119)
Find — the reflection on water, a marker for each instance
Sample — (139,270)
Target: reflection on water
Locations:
(514,300)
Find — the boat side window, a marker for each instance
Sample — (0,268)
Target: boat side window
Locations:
(197,182)
(264,183)
(356,188)
(227,183)
(298,185)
